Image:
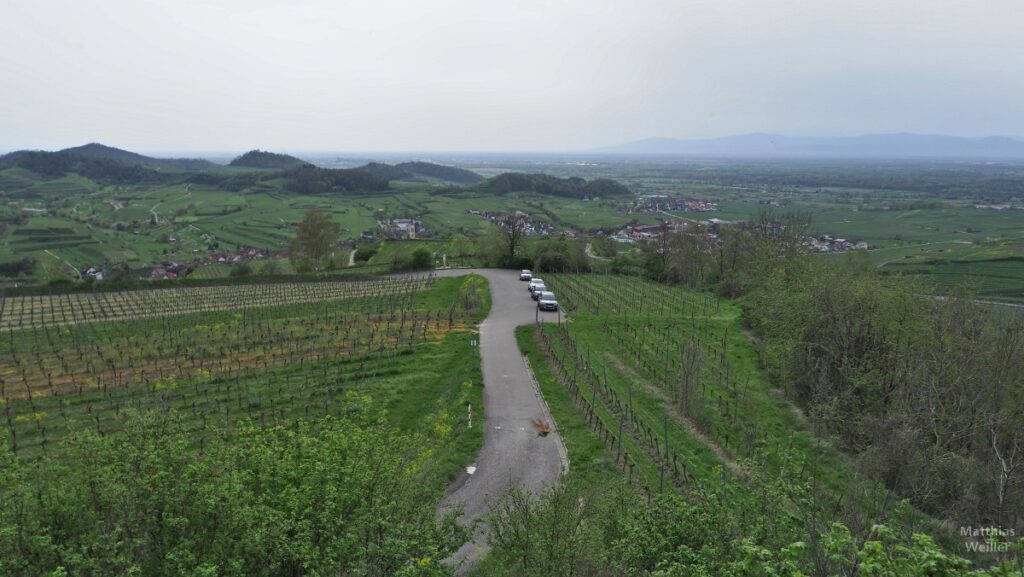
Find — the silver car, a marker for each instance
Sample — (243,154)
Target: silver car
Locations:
(537,289)
(534,282)
(525,275)
(546,301)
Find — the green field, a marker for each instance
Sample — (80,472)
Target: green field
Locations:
(937,222)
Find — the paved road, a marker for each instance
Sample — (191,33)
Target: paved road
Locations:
(512,454)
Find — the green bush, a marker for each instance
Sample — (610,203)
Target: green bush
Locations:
(420,259)
(365,252)
(241,269)
(329,497)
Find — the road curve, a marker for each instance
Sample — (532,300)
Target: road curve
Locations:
(513,454)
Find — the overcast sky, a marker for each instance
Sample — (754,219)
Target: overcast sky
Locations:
(502,75)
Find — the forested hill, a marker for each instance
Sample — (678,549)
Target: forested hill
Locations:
(270,160)
(95,150)
(102,170)
(440,171)
(418,169)
(304,179)
(387,171)
(573,187)
(309,179)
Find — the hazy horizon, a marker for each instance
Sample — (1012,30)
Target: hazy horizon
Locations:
(367,153)
(314,77)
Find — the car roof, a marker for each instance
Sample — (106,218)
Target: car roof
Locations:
(546,293)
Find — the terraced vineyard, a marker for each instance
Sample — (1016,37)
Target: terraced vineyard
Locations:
(215,355)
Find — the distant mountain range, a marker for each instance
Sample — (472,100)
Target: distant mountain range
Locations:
(901,145)
(107,164)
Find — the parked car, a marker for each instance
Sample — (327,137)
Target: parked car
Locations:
(533,284)
(547,302)
(525,275)
(537,289)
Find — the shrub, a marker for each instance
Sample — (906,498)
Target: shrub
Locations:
(241,269)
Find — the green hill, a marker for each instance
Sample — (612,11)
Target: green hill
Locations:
(573,187)
(54,165)
(269,160)
(419,169)
(309,179)
(442,172)
(387,171)
(95,150)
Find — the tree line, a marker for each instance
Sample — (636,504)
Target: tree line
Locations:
(573,187)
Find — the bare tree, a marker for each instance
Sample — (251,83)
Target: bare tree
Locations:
(513,232)
(1006,452)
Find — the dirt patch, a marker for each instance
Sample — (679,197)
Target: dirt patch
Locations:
(794,409)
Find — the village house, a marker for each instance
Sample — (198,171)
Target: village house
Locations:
(531,226)
(241,253)
(653,203)
(828,243)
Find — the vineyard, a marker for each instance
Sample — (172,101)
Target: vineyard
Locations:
(74,308)
(270,353)
(667,380)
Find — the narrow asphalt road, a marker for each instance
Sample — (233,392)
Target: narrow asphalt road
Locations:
(513,454)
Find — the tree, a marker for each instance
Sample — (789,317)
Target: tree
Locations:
(365,252)
(422,259)
(315,238)
(241,269)
(512,232)
(463,248)
(419,259)
(270,268)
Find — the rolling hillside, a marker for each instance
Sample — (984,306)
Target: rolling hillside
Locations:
(101,151)
(418,170)
(268,160)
